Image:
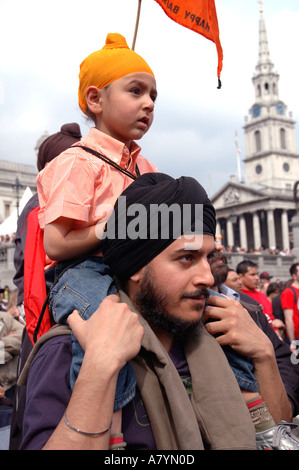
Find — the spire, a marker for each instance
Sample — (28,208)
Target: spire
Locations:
(264,65)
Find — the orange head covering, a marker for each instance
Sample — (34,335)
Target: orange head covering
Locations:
(113,61)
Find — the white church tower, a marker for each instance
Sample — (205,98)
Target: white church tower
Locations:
(256,215)
(271,160)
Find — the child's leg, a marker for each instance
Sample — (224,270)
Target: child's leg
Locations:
(83,288)
(116,437)
(243,370)
(258,410)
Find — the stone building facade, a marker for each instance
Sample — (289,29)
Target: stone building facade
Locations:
(14,178)
(258,211)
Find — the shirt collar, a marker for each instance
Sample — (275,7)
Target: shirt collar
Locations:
(117,151)
(229,292)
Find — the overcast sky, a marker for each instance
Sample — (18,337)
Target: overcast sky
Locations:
(43,43)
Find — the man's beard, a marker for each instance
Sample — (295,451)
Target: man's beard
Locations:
(151,303)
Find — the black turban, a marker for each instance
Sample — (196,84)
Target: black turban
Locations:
(166,208)
(57,143)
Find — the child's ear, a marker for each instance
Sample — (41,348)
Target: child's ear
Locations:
(93,99)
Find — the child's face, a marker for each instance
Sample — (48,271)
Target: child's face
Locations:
(127,107)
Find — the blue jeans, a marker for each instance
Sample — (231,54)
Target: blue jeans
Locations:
(241,366)
(83,287)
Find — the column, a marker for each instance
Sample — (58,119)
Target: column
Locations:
(230,233)
(271,229)
(285,230)
(256,231)
(243,232)
(218,231)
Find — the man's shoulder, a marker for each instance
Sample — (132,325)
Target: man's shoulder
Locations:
(290,290)
(245,297)
(250,293)
(55,343)
(55,337)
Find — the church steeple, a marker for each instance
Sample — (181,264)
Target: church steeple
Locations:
(271,159)
(264,60)
(265,79)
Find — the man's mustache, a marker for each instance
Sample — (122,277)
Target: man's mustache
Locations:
(199,293)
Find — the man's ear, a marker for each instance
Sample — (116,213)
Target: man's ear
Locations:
(94,99)
(138,276)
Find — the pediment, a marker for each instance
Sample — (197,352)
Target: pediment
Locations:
(236,194)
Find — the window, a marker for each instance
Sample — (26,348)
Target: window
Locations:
(283,139)
(258,141)
(258,169)
(6,209)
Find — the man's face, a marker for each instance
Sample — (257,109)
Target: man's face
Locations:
(173,286)
(296,276)
(233,281)
(250,280)
(219,268)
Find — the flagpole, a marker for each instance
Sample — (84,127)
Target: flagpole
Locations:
(136,25)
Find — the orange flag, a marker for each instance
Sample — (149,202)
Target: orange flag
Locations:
(198,15)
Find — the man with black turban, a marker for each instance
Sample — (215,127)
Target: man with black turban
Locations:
(187,396)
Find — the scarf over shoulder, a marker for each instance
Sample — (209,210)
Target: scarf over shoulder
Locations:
(216,414)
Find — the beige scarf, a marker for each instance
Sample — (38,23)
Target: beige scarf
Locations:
(217,413)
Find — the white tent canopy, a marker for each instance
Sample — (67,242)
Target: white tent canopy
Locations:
(9,226)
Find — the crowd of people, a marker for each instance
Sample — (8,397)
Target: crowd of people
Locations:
(260,251)
(150,347)
(12,325)
(278,298)
(6,239)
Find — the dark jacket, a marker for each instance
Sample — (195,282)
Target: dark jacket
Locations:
(289,372)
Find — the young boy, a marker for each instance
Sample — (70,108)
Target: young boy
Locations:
(117,89)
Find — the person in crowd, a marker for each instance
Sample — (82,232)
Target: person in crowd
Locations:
(12,307)
(4,298)
(263,333)
(248,273)
(117,89)
(273,290)
(11,332)
(1,299)
(177,354)
(256,388)
(50,148)
(273,293)
(289,304)
(233,280)
(277,307)
(265,280)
